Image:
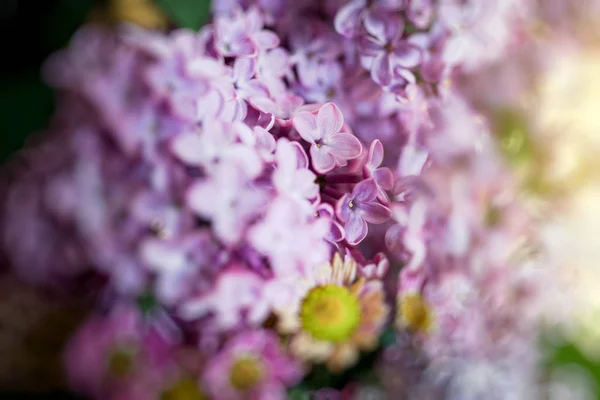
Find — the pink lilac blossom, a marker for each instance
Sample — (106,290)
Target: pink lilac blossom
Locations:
(218,170)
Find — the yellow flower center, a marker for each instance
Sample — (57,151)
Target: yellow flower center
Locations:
(415,313)
(120,362)
(184,389)
(330,313)
(246,372)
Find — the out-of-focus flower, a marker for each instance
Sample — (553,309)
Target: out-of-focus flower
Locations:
(251,366)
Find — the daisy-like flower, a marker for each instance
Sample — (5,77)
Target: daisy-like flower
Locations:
(252,366)
(335,315)
(414,313)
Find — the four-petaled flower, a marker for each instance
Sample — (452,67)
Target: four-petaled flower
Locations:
(386,54)
(329,146)
(358,208)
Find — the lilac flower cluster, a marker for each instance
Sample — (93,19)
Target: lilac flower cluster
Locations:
(235,178)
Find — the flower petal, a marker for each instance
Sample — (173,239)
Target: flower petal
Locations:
(375,213)
(322,160)
(306,125)
(347,19)
(344,146)
(384,178)
(375,155)
(342,208)
(244,69)
(356,230)
(188,148)
(329,120)
(265,40)
(365,191)
(407,55)
(381,70)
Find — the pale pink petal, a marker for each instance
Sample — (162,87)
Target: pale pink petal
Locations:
(199,198)
(407,55)
(188,148)
(300,156)
(243,69)
(265,40)
(381,70)
(342,208)
(384,178)
(306,125)
(356,230)
(344,146)
(329,120)
(375,154)
(322,160)
(365,191)
(347,20)
(375,213)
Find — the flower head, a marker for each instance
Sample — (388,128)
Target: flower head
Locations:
(329,146)
(335,315)
(358,208)
(251,366)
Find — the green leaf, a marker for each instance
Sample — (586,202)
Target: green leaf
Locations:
(191,14)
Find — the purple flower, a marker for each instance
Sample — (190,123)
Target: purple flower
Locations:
(329,146)
(360,207)
(228,200)
(292,176)
(349,18)
(383,176)
(241,35)
(292,242)
(385,53)
(420,12)
(216,145)
(236,292)
(177,263)
(252,366)
(246,86)
(336,232)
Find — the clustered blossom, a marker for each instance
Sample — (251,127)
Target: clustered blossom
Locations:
(262,185)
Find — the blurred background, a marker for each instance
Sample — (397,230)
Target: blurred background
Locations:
(33,325)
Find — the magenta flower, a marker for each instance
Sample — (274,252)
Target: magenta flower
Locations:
(329,147)
(252,367)
(383,176)
(360,207)
(385,53)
